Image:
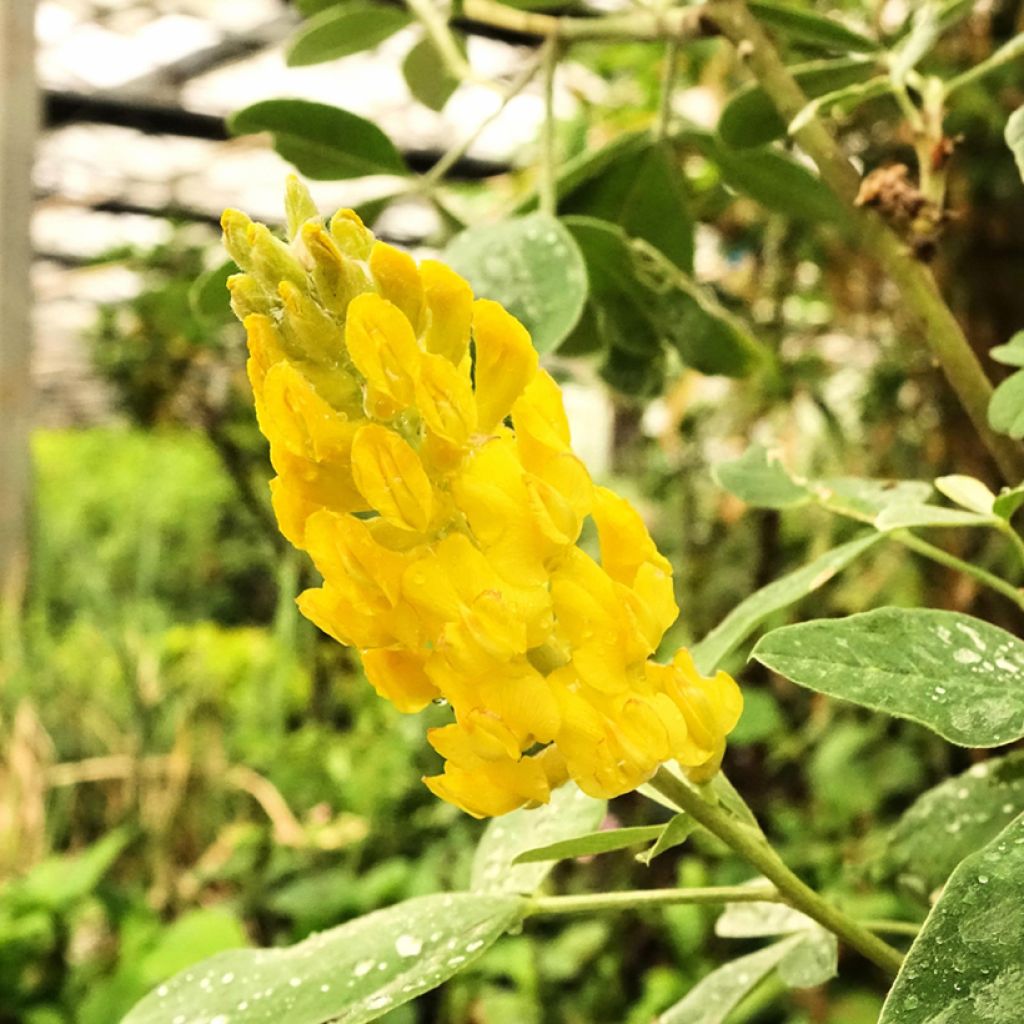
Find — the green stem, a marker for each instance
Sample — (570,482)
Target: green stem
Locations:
(598,901)
(641,25)
(918,291)
(751,845)
(886,927)
(1007,52)
(459,150)
(436,26)
(548,188)
(663,125)
(1013,537)
(936,554)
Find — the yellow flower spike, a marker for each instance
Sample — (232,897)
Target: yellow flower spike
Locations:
(444,397)
(449,302)
(298,206)
(398,676)
(390,476)
(353,237)
(337,278)
(468,583)
(397,279)
(506,362)
(383,348)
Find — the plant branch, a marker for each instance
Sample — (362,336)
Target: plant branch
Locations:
(919,292)
(668,81)
(751,845)
(459,150)
(1009,51)
(936,554)
(642,25)
(548,188)
(636,900)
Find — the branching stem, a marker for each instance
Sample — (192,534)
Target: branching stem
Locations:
(752,846)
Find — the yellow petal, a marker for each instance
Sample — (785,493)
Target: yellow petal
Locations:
(398,280)
(449,301)
(398,676)
(444,397)
(506,361)
(390,476)
(383,348)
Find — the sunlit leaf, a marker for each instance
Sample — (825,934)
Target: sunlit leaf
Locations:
(1006,407)
(759,479)
(1015,137)
(348,975)
(953,673)
(966,965)
(901,516)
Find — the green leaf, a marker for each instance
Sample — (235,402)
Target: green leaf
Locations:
(532,266)
(208,297)
(591,843)
(952,820)
(812,961)
(1008,501)
(750,118)
(967,492)
(966,965)
(427,75)
(1006,407)
(1015,137)
(864,500)
(325,143)
(675,833)
(642,191)
(58,883)
(1012,353)
(773,179)
(901,516)
(845,100)
(347,975)
(636,376)
(570,813)
(716,995)
(195,935)
(759,479)
(340,31)
(805,27)
(955,674)
(311,7)
(750,613)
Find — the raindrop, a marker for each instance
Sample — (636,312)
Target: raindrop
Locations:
(983,879)
(363,967)
(295,982)
(408,945)
(227,978)
(378,1002)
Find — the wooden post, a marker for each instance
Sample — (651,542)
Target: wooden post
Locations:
(18,121)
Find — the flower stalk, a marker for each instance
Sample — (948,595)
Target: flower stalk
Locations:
(752,846)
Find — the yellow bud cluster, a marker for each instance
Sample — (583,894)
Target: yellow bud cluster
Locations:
(423,461)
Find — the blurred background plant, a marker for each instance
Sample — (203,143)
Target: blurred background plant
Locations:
(186,766)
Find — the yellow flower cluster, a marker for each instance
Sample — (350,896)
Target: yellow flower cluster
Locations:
(423,461)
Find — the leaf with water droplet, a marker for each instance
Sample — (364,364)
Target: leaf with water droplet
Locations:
(967,965)
(532,266)
(898,660)
(348,975)
(952,820)
(571,813)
